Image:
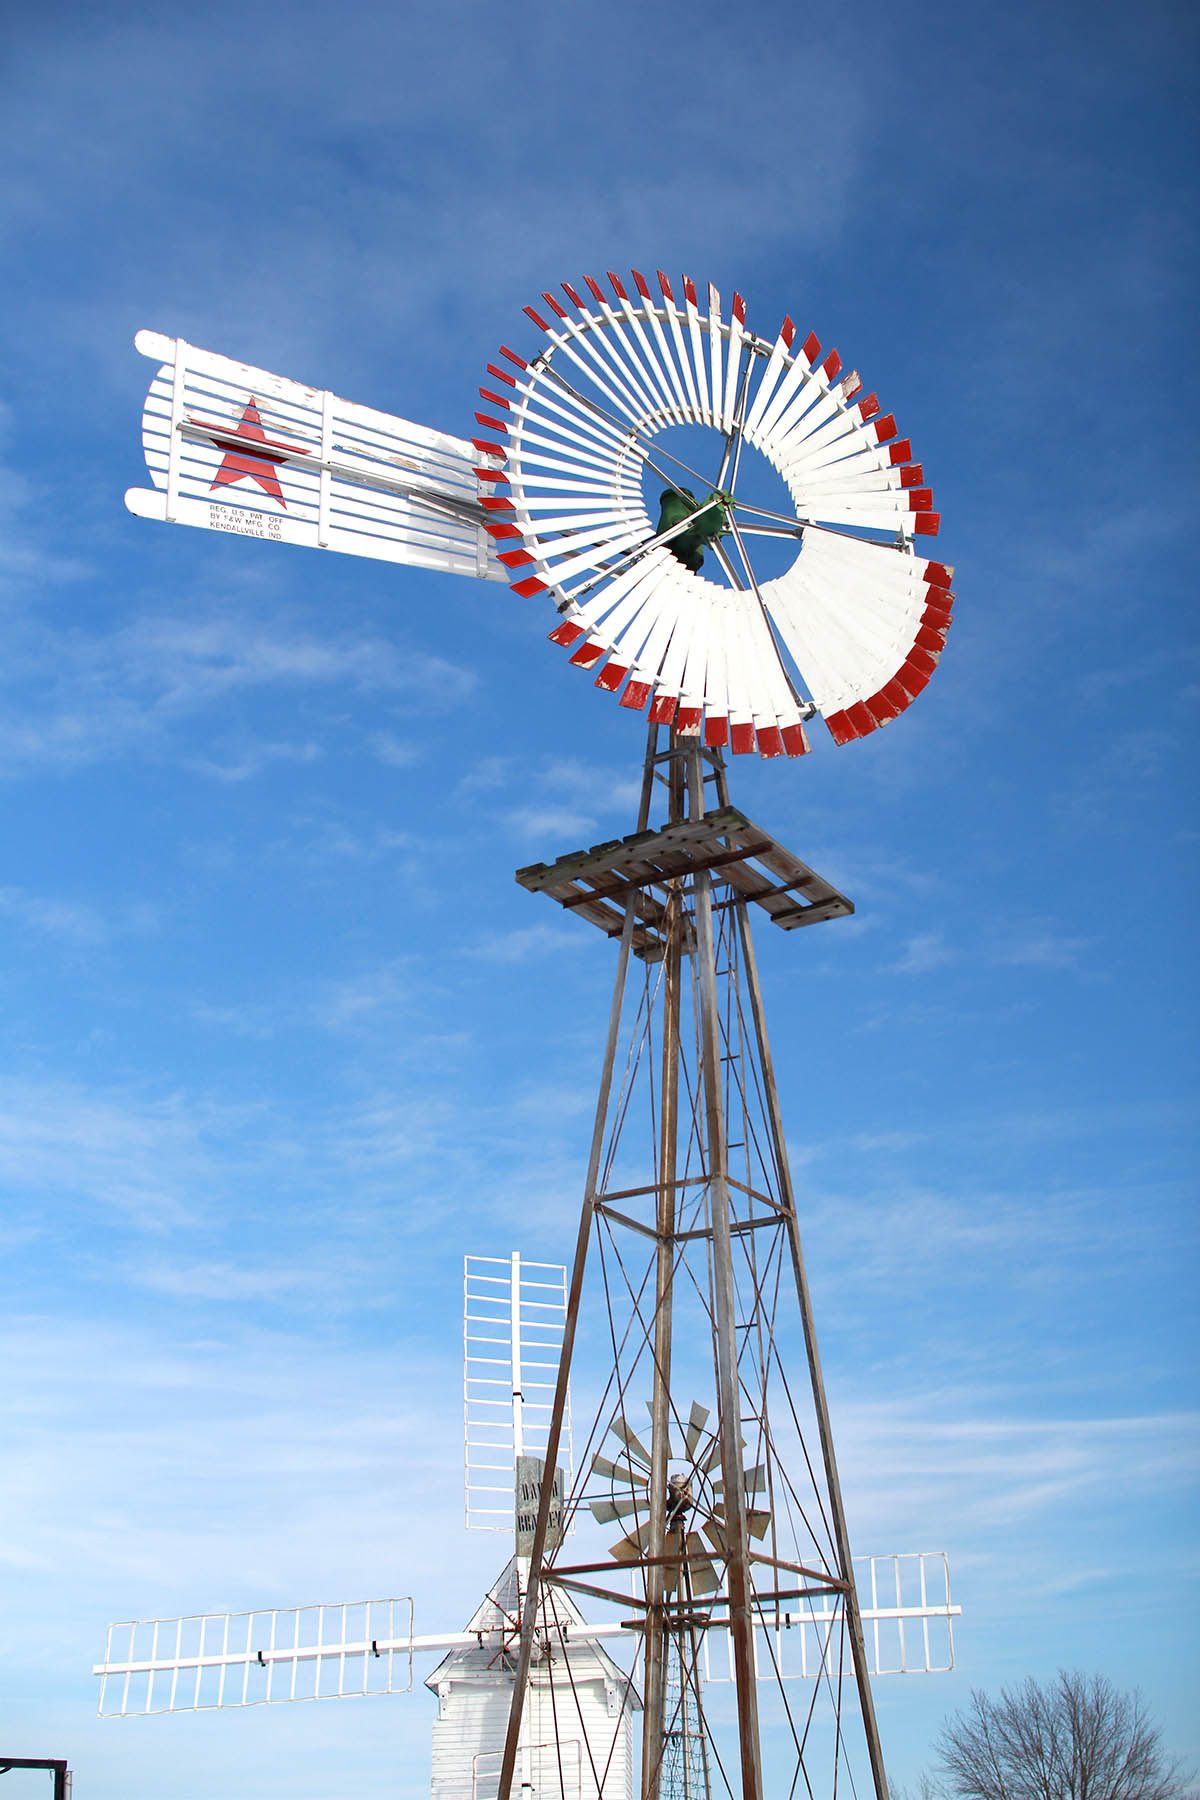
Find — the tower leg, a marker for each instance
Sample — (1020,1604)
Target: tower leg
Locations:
(820,1403)
(537,1554)
(656,1637)
(737,1541)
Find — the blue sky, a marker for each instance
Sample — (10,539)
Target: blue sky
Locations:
(279,1037)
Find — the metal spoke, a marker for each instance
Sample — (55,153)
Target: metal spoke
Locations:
(806,707)
(733,438)
(722,556)
(801,525)
(630,431)
(765,512)
(741,548)
(737,460)
(735,435)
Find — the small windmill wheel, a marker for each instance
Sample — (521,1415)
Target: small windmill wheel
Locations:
(694,1496)
(672,611)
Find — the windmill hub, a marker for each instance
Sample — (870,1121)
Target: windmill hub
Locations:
(702,523)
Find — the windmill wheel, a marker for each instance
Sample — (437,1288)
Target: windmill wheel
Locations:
(851,628)
(694,1499)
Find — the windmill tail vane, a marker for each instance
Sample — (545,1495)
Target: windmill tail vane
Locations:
(234,448)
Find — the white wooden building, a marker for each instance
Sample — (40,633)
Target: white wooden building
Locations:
(577,1732)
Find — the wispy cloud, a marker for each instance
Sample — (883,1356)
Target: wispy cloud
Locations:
(963,1457)
(569,799)
(1043,948)
(250,1019)
(144,1159)
(550,822)
(385,990)
(392,751)
(415,270)
(925,951)
(897,1241)
(28,553)
(1011,944)
(316,840)
(228,1281)
(889,1140)
(70,921)
(561,799)
(525,942)
(487,775)
(89,696)
(252,758)
(188,661)
(160,1423)
(586,784)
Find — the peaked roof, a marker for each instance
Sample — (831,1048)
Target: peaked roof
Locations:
(501,1606)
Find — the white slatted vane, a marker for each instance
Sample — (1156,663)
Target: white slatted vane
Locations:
(908,1625)
(238,449)
(212,1660)
(852,629)
(514,1313)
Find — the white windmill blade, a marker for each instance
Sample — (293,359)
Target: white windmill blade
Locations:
(906,1612)
(210,1662)
(857,621)
(514,1315)
(235,448)
(223,1660)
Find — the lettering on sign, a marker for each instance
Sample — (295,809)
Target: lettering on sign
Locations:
(243,520)
(530,1470)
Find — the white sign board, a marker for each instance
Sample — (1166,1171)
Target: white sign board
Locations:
(530,1472)
(235,448)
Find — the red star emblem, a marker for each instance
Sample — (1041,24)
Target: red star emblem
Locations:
(237,465)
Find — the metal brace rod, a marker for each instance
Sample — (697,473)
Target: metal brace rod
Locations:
(468,510)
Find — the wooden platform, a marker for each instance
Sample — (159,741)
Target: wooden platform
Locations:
(599,883)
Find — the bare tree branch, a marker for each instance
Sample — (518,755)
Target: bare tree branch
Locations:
(1074,1738)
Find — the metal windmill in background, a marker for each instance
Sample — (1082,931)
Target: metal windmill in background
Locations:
(594,486)
(514,1313)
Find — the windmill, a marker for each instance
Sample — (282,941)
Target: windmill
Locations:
(689,1246)
(513,1316)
